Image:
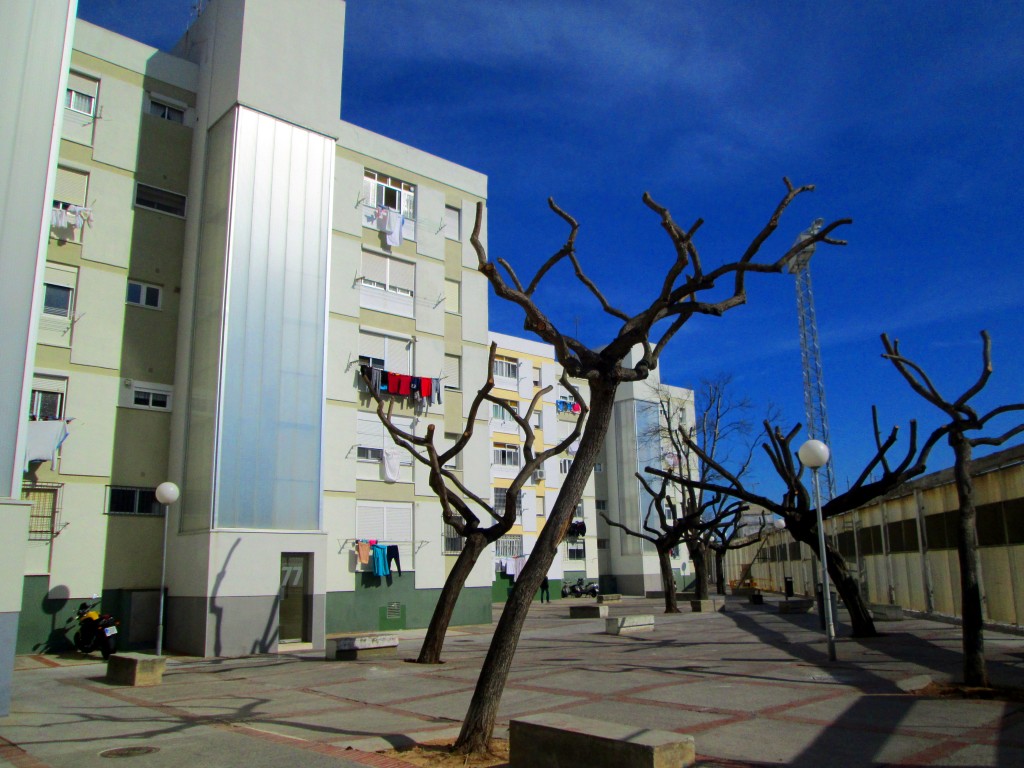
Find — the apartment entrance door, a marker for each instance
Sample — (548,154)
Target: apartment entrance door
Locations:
(294,608)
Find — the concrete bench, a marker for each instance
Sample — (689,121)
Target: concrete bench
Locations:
(707,606)
(800,605)
(588,611)
(356,647)
(624,625)
(883,612)
(554,740)
(135,669)
(609,598)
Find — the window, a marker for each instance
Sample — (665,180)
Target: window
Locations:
(506,455)
(501,499)
(578,512)
(146,395)
(536,417)
(385,193)
(564,404)
(143,294)
(379,189)
(601,505)
(80,95)
(452,297)
(602,543)
(452,372)
(598,466)
(509,545)
(69,214)
(389,523)
(389,353)
(126,500)
(385,273)
(506,367)
(453,543)
(45,512)
(372,438)
(174,114)
(57,300)
(452,223)
(503,411)
(576,549)
(536,376)
(47,400)
(159,200)
(563,465)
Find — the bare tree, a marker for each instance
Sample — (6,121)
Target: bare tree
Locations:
(458,501)
(695,519)
(796,505)
(963,419)
(679,297)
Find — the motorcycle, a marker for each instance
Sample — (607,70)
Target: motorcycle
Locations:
(96,631)
(580,589)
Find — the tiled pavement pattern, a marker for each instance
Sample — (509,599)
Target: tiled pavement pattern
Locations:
(754,687)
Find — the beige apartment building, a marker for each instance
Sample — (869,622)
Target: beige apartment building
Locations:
(201,263)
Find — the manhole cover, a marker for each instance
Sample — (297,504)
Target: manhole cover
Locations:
(128,751)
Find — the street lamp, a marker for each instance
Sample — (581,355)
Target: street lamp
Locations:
(166,493)
(814,455)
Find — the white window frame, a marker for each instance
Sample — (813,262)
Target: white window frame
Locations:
(374,438)
(394,194)
(563,465)
(576,549)
(505,454)
(391,295)
(506,367)
(501,415)
(67,309)
(144,292)
(133,390)
(580,512)
(72,97)
(453,367)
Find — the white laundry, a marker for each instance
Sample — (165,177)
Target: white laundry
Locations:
(44,440)
(392,463)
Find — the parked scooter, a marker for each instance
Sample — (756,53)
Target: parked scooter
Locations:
(96,631)
(580,589)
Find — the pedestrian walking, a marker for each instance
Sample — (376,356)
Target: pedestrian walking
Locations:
(545,592)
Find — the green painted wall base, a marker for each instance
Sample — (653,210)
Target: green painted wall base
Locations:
(393,602)
(502,585)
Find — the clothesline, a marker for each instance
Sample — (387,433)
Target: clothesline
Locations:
(420,388)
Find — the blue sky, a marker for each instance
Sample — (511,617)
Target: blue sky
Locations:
(906,115)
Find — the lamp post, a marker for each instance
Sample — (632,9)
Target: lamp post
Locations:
(814,454)
(166,493)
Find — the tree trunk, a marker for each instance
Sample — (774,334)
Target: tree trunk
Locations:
(720,571)
(699,558)
(430,651)
(483,708)
(846,585)
(975,672)
(668,581)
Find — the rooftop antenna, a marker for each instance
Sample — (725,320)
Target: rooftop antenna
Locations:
(810,351)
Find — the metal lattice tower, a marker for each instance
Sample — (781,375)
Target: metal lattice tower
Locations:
(810,352)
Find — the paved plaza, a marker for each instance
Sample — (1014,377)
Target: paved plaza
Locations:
(751,685)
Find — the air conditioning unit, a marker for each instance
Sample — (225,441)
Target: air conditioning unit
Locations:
(538,475)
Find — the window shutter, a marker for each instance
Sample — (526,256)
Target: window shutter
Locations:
(369,431)
(370,521)
(452,372)
(398,357)
(70,186)
(50,384)
(403,275)
(409,205)
(373,345)
(452,217)
(375,268)
(369,193)
(82,84)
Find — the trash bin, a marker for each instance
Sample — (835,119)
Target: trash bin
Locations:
(821,606)
(789,586)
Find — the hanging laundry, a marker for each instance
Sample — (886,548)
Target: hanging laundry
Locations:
(393,382)
(375,376)
(396,221)
(404,385)
(381,218)
(392,555)
(392,464)
(363,552)
(436,385)
(426,388)
(380,560)
(576,408)
(44,440)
